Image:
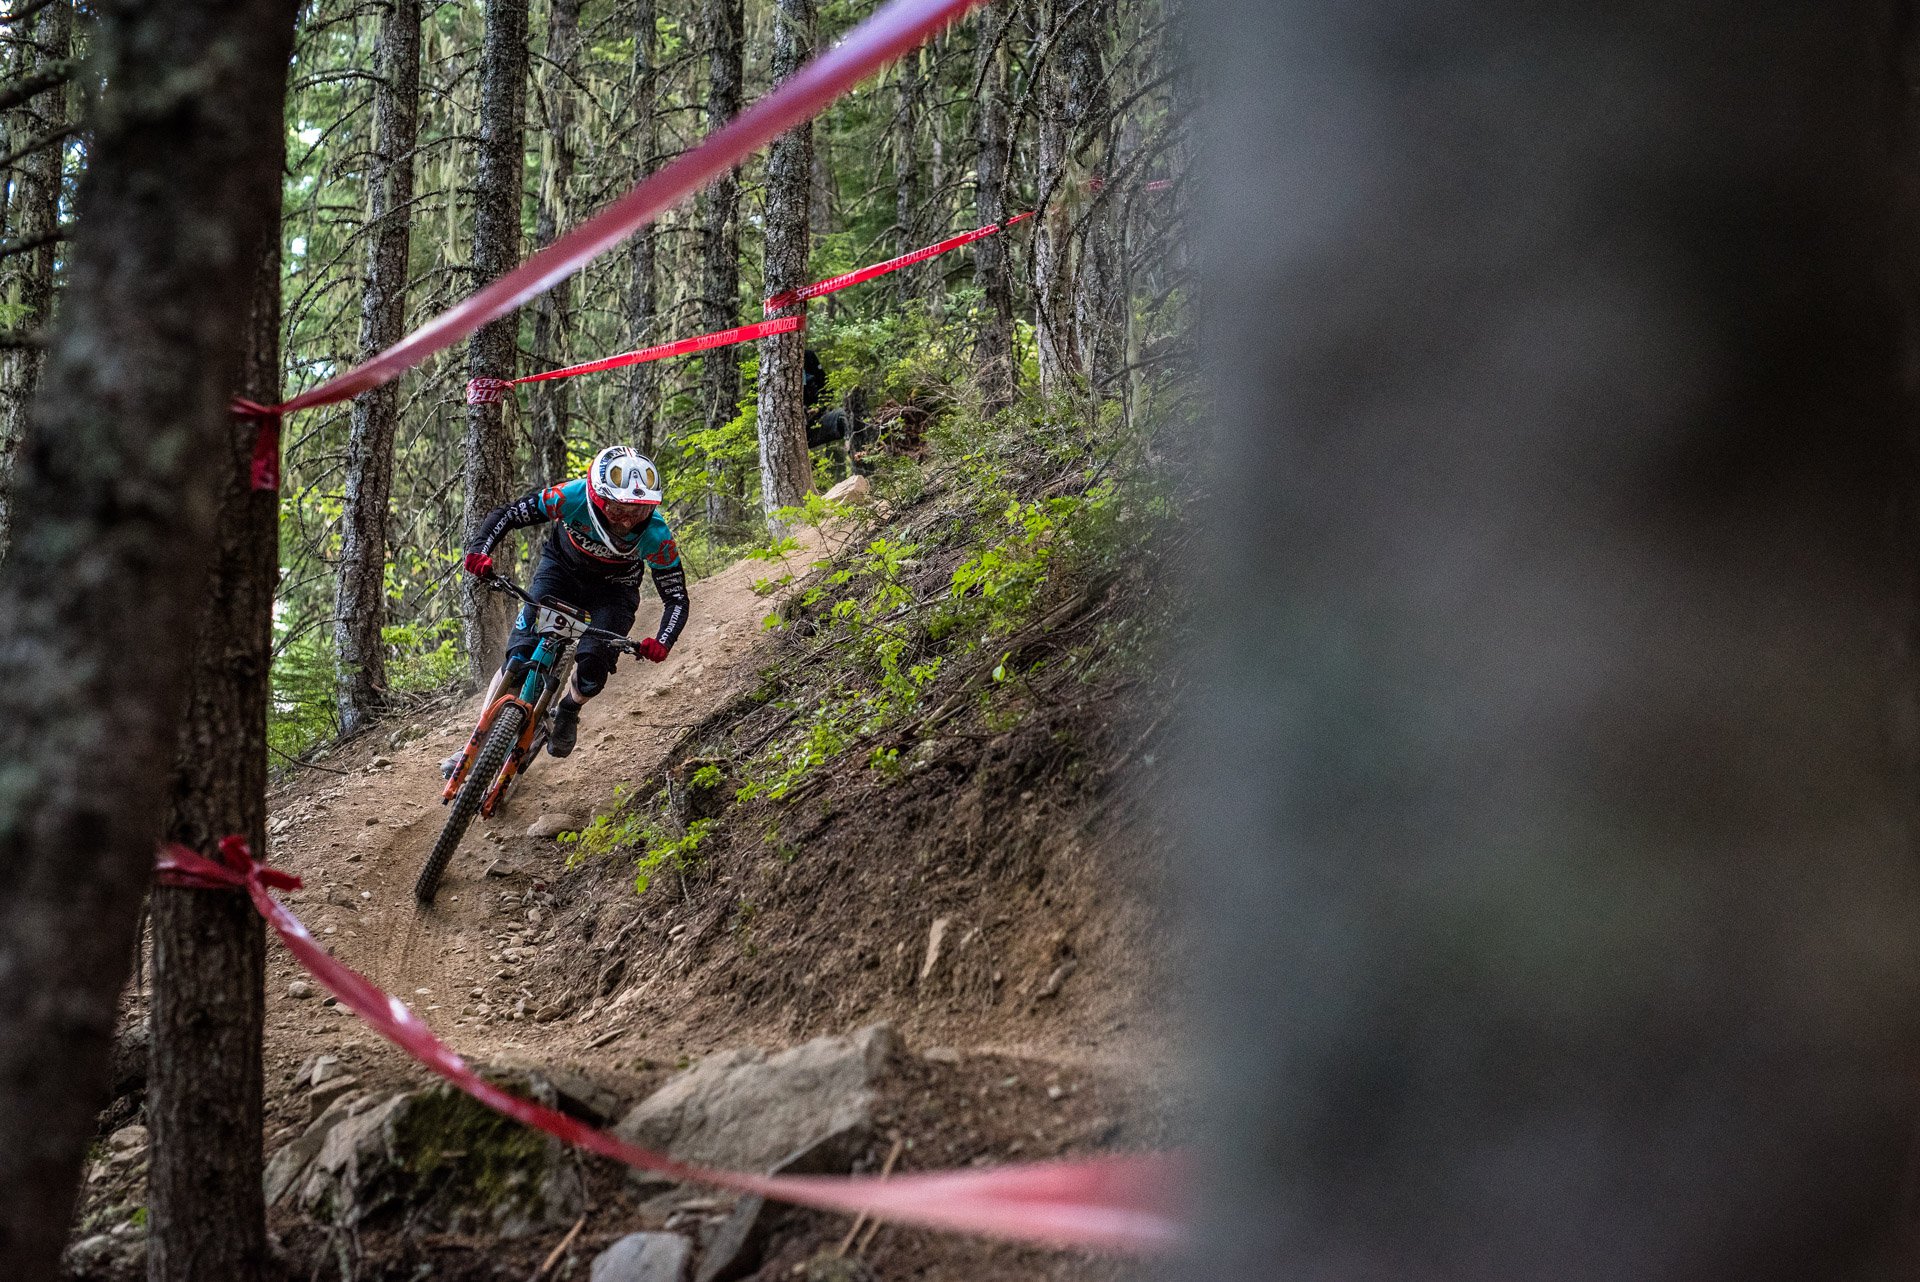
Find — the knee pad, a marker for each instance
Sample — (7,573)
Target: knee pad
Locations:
(590,671)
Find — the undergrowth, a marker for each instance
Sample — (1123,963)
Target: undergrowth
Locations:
(1017,575)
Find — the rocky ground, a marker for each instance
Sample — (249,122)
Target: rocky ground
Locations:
(947,971)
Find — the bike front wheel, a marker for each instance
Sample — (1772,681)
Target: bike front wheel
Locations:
(493,754)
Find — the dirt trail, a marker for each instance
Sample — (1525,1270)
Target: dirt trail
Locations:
(359,839)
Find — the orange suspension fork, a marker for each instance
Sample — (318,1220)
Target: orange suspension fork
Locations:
(515,761)
(479,734)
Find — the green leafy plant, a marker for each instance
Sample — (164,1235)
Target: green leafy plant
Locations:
(675,853)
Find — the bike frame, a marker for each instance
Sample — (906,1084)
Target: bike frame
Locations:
(559,628)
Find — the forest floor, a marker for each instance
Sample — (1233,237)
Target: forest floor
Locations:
(1037,1034)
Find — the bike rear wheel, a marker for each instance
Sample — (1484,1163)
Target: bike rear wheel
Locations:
(486,764)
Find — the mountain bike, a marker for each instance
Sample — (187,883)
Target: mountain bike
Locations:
(513,729)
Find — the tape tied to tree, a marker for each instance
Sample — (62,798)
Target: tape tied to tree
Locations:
(235,870)
(487,391)
(263,473)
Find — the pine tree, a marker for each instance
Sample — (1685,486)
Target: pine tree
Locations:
(643,281)
(786,477)
(205,1078)
(548,403)
(720,248)
(37,129)
(359,612)
(907,111)
(1548,791)
(490,353)
(993,269)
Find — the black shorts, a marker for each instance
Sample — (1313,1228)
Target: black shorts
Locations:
(606,604)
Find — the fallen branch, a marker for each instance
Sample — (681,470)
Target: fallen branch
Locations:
(558,1251)
(310,765)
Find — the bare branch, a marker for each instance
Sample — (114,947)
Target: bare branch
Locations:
(24,10)
(37,145)
(27,244)
(27,87)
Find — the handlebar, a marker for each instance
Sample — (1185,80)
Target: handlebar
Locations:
(500,583)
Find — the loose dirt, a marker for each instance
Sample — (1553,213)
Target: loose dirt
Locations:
(359,838)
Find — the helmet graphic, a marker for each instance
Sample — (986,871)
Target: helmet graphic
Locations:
(621,474)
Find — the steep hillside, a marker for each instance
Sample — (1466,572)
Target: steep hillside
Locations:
(966,858)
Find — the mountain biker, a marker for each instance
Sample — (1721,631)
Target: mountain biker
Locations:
(607,531)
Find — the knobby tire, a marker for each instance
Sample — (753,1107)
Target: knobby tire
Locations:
(493,754)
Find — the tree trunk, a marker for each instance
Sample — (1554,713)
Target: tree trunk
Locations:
(1053,230)
(118,492)
(643,282)
(1075,270)
(786,475)
(720,250)
(549,402)
(360,597)
(993,262)
(17,64)
(204,1101)
(1550,830)
(1098,298)
(822,194)
(911,283)
(498,159)
(33,211)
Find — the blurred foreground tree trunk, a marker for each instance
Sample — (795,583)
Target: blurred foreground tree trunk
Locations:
(360,596)
(1551,818)
(117,494)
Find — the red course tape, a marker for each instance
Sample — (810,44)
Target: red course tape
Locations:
(896,28)
(1113,1203)
(679,347)
(263,475)
(485,391)
(834,284)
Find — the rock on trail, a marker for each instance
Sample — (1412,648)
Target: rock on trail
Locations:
(747,1110)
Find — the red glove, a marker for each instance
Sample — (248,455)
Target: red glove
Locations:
(650,648)
(479,564)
